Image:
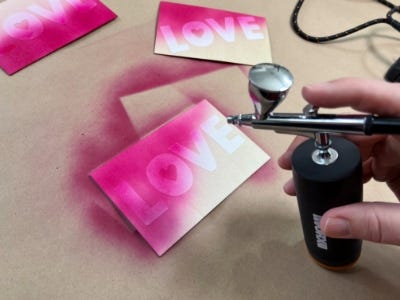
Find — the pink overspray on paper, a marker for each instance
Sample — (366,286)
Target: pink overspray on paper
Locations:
(172,178)
(31,29)
(212,34)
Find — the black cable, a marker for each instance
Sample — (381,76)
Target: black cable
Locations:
(388,20)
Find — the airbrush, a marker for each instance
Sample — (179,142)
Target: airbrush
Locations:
(327,168)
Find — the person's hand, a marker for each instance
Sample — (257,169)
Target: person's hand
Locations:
(374,221)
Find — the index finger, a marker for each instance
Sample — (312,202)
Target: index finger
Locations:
(365,95)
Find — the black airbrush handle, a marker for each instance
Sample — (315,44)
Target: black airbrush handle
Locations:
(383,125)
(322,187)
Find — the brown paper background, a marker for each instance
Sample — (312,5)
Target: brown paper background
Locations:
(62,116)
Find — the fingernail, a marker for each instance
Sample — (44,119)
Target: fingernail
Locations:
(336,227)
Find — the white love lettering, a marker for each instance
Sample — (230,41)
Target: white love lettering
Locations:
(28,26)
(169,174)
(202,33)
(23,26)
(55,14)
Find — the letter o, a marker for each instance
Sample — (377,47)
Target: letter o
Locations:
(169,174)
(198,33)
(23,26)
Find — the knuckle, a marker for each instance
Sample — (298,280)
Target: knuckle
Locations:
(374,226)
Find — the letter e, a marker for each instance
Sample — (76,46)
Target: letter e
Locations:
(220,135)
(250,28)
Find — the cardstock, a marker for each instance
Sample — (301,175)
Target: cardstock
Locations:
(226,88)
(172,178)
(31,29)
(206,33)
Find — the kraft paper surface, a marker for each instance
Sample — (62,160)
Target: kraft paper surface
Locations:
(68,113)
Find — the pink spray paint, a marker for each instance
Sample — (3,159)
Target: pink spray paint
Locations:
(169,180)
(32,29)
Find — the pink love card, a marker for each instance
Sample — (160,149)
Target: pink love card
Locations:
(205,33)
(172,178)
(31,29)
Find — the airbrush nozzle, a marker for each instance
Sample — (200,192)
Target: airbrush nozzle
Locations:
(241,119)
(233,120)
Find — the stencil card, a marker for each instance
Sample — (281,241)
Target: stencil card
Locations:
(168,181)
(211,34)
(31,29)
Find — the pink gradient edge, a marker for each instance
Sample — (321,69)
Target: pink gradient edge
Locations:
(16,55)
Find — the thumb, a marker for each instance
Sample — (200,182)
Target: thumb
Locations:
(372,221)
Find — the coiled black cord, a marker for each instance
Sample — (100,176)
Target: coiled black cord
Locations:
(388,20)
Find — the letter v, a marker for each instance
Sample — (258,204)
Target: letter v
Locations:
(227,33)
(202,158)
(55,14)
